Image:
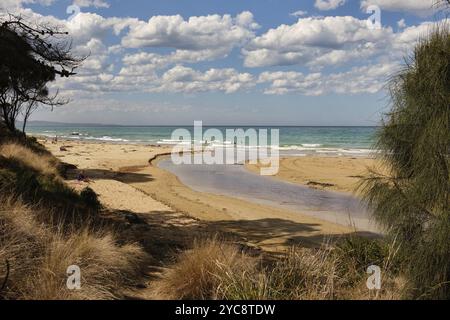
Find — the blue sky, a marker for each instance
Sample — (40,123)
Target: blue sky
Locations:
(311,62)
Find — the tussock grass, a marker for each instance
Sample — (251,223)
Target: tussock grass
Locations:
(33,177)
(214,269)
(42,163)
(39,256)
(45,227)
(199,271)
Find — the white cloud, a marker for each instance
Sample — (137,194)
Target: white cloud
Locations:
(86,25)
(179,79)
(330,41)
(366,79)
(148,60)
(328,4)
(196,33)
(97,56)
(187,80)
(197,39)
(194,40)
(401,23)
(132,64)
(15,4)
(92,3)
(108,110)
(417,7)
(315,42)
(299,13)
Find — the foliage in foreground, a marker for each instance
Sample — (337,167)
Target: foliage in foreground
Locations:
(215,269)
(34,178)
(413,201)
(45,227)
(38,256)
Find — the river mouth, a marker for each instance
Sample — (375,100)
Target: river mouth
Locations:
(235,181)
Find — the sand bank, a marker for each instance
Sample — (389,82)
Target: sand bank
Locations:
(124,179)
(327,173)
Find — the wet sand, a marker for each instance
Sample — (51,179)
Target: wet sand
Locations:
(340,174)
(237,182)
(124,179)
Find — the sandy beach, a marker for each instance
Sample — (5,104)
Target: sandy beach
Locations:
(125,180)
(340,174)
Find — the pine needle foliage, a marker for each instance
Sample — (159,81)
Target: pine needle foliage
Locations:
(412,202)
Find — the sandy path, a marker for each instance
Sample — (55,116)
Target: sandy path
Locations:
(116,195)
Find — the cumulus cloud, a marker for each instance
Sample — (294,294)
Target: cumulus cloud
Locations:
(315,42)
(179,79)
(329,41)
(196,33)
(195,39)
(299,13)
(417,7)
(328,4)
(91,3)
(133,61)
(183,79)
(198,39)
(15,4)
(366,79)
(401,23)
(85,26)
(136,63)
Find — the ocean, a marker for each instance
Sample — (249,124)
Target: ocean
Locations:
(294,140)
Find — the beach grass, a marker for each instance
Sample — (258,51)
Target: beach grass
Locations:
(217,269)
(45,227)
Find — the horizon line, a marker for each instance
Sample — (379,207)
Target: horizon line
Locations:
(188,125)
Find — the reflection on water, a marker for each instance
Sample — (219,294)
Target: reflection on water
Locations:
(236,181)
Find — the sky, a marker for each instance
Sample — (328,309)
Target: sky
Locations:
(242,62)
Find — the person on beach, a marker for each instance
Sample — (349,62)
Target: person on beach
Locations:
(82,177)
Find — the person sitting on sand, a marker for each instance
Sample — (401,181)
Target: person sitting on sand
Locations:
(82,177)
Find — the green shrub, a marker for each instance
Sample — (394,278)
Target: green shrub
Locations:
(362,251)
(412,201)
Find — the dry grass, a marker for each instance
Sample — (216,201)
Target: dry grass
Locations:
(39,257)
(45,164)
(198,272)
(217,270)
(39,244)
(325,274)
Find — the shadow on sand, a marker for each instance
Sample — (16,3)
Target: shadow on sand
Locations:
(163,234)
(122,175)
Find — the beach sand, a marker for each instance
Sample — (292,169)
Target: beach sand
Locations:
(124,180)
(340,174)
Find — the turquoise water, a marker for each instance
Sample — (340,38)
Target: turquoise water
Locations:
(317,139)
